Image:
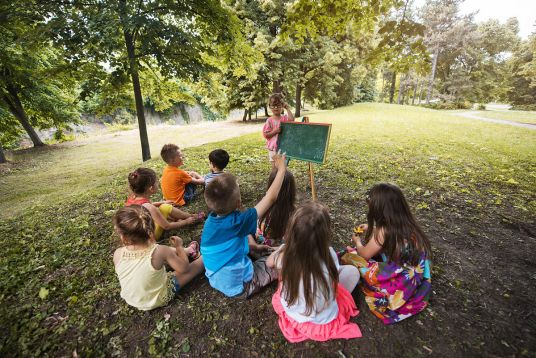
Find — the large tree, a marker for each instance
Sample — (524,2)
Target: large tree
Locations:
(170,37)
(36,86)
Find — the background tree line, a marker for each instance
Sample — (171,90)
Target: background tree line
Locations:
(60,59)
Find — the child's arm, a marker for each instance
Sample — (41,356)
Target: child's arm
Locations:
(275,257)
(271,195)
(371,249)
(177,258)
(196,178)
(272,133)
(290,115)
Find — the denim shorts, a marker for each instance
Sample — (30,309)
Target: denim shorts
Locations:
(176,285)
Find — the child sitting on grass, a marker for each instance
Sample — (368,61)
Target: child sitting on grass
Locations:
(314,298)
(143,184)
(399,283)
(139,264)
(227,235)
(218,160)
(178,185)
(272,225)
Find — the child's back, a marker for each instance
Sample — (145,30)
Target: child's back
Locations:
(224,241)
(313,300)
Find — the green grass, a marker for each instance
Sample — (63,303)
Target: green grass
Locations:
(514,116)
(49,176)
(59,241)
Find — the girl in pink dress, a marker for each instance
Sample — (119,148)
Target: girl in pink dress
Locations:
(313,300)
(271,128)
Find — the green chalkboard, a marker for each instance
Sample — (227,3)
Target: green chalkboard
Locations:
(304,141)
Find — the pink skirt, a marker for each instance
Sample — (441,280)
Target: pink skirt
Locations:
(339,328)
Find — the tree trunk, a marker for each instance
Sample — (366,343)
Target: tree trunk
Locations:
(276,86)
(266,110)
(401,86)
(382,94)
(392,90)
(2,156)
(16,108)
(297,113)
(415,92)
(432,76)
(133,67)
(245,116)
(249,114)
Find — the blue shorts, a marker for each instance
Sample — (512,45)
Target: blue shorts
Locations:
(176,285)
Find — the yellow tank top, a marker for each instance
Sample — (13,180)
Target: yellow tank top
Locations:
(142,286)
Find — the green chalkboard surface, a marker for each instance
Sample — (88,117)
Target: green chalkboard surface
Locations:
(304,141)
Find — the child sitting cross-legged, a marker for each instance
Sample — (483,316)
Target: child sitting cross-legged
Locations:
(143,184)
(178,185)
(313,300)
(394,262)
(227,236)
(218,160)
(139,264)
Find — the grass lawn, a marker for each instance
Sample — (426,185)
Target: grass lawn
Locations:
(514,116)
(471,184)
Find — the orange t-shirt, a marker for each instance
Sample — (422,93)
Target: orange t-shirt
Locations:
(173,184)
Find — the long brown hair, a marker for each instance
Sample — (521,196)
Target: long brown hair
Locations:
(307,255)
(388,211)
(283,207)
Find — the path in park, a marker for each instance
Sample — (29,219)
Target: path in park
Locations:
(72,167)
(473,115)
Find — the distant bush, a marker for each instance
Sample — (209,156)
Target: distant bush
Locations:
(449,105)
(481,107)
(524,107)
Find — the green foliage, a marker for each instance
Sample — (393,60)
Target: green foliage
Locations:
(36,83)
(449,105)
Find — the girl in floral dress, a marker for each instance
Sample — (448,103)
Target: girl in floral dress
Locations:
(394,262)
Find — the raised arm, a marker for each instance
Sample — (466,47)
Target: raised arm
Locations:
(372,248)
(271,195)
(290,115)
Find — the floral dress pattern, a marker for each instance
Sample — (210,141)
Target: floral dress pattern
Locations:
(392,291)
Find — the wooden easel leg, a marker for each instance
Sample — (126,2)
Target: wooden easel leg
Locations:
(312,180)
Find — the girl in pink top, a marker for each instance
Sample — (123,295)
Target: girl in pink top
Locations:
(271,128)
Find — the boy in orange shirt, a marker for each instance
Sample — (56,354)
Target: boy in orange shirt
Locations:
(177,185)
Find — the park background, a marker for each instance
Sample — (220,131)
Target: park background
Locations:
(424,94)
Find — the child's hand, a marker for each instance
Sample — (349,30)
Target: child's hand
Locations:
(280,160)
(176,241)
(357,241)
(360,229)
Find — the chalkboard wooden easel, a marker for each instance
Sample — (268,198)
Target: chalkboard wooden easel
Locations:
(307,142)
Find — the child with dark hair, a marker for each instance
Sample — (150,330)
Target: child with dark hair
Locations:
(139,264)
(228,236)
(178,185)
(313,300)
(143,184)
(272,127)
(218,160)
(272,225)
(398,285)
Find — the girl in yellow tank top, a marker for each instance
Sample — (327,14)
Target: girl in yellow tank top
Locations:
(139,264)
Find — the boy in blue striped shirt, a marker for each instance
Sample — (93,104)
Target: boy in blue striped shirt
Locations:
(218,159)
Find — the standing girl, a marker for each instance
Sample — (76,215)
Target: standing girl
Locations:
(273,223)
(399,283)
(313,300)
(143,184)
(271,128)
(139,264)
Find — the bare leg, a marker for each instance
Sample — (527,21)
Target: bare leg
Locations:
(348,277)
(177,214)
(195,268)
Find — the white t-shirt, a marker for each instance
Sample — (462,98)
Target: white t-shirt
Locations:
(323,311)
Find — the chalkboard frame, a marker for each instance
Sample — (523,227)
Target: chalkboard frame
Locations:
(290,156)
